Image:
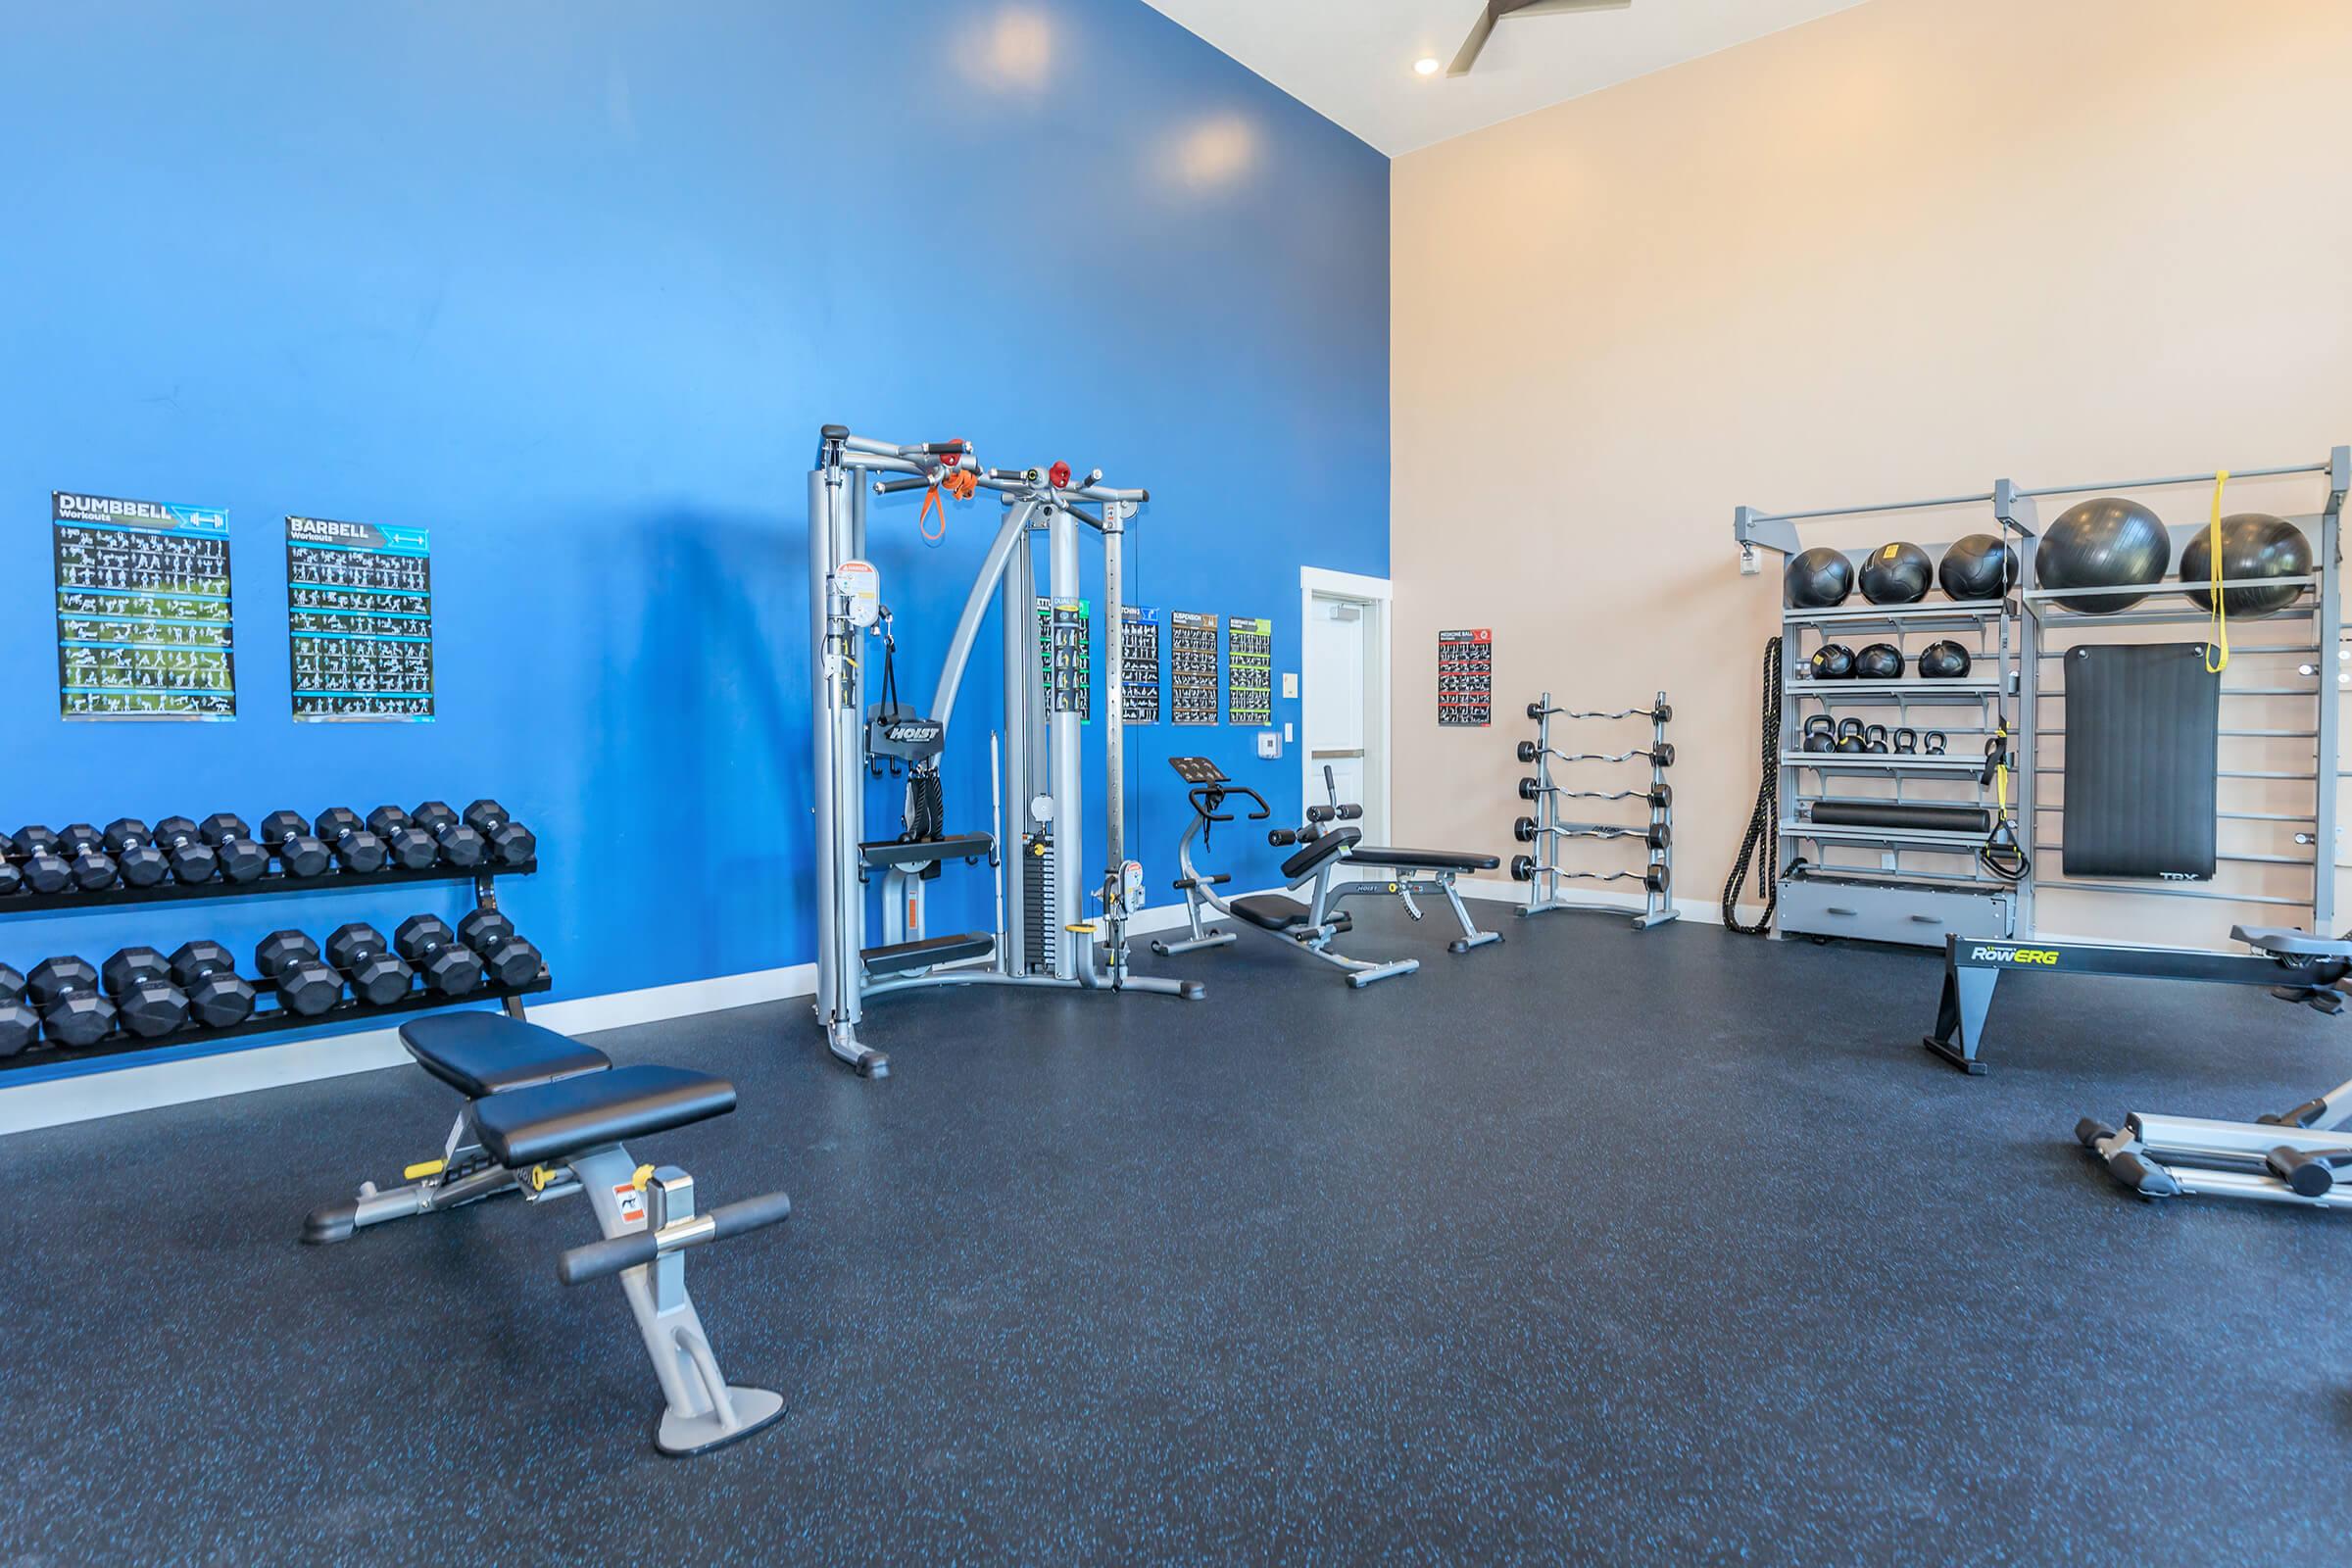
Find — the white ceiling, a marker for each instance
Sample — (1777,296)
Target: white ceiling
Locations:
(1353,60)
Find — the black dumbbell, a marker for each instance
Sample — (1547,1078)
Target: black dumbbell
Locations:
(84,850)
(410,846)
(299,854)
(290,961)
(377,977)
(510,960)
(64,989)
(242,857)
(12,880)
(359,851)
(19,1025)
(43,869)
(146,1001)
(190,859)
(205,973)
(433,951)
(509,841)
(461,846)
(137,856)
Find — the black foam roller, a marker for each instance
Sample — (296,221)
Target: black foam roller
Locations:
(1902,814)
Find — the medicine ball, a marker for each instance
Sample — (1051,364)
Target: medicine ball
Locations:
(2254,544)
(1879,662)
(1896,574)
(2106,543)
(1832,662)
(1979,567)
(1817,579)
(1943,661)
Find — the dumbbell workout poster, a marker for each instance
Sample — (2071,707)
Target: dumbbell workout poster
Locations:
(1193,666)
(360,611)
(1249,671)
(144,628)
(1065,654)
(1466,678)
(1138,662)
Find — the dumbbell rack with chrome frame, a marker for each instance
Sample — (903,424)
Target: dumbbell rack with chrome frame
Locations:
(276,1020)
(1544,886)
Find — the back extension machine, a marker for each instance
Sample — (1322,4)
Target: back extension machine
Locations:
(1323,843)
(545,1116)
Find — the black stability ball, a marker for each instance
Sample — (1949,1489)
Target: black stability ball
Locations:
(1818,579)
(1832,662)
(2254,544)
(1943,661)
(1896,574)
(1879,662)
(1979,567)
(2106,543)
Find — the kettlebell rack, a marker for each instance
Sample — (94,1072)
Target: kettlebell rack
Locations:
(1548,830)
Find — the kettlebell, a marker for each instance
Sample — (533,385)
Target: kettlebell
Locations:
(1850,737)
(1875,735)
(1821,733)
(1906,742)
(1936,743)
(1832,662)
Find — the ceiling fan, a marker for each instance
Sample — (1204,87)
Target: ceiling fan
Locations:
(1496,9)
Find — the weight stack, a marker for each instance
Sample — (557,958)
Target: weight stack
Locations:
(1038,925)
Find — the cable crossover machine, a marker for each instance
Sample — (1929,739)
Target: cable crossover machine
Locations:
(1549,829)
(1042,935)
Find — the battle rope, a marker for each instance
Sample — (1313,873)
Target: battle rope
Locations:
(1763,842)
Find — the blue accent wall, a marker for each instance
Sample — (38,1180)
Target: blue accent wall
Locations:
(573,283)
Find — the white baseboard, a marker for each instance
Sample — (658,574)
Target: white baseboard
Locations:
(1704,911)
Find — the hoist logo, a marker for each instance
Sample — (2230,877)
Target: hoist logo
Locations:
(2043,956)
(916,733)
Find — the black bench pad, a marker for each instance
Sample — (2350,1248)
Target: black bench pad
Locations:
(548,1121)
(1323,848)
(1421,859)
(480,1054)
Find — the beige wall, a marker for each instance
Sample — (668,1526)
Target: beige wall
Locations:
(1902,251)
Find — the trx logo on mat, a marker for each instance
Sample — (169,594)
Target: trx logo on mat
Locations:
(2046,955)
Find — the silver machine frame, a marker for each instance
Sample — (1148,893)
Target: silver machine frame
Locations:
(1040,796)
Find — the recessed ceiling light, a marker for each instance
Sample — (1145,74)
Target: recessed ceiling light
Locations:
(1426,65)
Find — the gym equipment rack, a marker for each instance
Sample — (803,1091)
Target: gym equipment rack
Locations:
(2015,676)
(1543,871)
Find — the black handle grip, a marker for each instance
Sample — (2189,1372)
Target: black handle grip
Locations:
(618,1253)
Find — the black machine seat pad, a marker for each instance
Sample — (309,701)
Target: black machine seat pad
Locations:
(1315,853)
(481,1053)
(1421,859)
(548,1121)
(2287,942)
(1271,912)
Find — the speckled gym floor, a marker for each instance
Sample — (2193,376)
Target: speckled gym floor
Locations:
(1596,1247)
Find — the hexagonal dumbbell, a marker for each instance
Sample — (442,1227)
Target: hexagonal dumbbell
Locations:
(377,976)
(12,880)
(410,846)
(146,1001)
(447,967)
(84,850)
(509,843)
(304,985)
(288,837)
(64,991)
(19,1025)
(190,859)
(461,846)
(205,973)
(137,856)
(242,857)
(43,869)
(357,850)
(510,960)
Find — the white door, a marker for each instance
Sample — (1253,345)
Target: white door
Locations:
(1344,695)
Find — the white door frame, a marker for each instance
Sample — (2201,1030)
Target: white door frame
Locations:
(1380,594)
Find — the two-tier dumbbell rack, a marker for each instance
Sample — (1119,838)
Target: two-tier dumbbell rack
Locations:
(1541,869)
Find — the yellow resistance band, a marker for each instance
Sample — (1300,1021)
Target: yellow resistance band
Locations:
(2219,646)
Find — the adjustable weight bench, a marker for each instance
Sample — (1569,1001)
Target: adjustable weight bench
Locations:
(546,1116)
(1438,869)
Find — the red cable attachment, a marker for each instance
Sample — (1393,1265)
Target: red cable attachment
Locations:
(1059,473)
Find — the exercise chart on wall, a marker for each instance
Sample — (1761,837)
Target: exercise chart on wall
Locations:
(360,616)
(1193,666)
(1466,678)
(1249,671)
(1138,662)
(1065,656)
(144,622)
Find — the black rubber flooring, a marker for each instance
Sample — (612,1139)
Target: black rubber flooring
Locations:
(1594,1247)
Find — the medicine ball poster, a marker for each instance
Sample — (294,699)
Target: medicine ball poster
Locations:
(360,613)
(144,627)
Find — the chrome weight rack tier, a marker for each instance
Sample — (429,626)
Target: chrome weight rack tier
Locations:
(1550,828)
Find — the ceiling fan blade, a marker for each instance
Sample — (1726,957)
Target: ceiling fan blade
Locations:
(1496,9)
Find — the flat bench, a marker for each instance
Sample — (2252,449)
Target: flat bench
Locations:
(546,1116)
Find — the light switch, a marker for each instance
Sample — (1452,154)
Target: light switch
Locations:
(1290,684)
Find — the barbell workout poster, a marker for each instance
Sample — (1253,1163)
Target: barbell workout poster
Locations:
(144,626)
(360,613)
